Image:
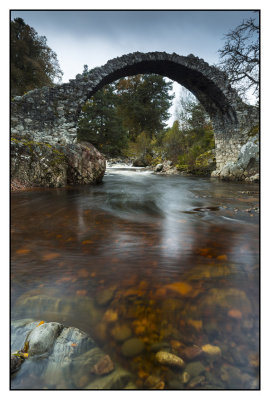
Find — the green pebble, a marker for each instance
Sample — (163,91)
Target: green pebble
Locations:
(132,347)
(195,368)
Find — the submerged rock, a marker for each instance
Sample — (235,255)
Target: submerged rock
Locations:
(185,378)
(42,338)
(155,347)
(154,382)
(165,358)
(121,332)
(15,363)
(48,305)
(105,296)
(63,358)
(175,384)
(132,347)
(118,379)
(212,351)
(191,352)
(195,368)
(103,366)
(226,298)
(196,381)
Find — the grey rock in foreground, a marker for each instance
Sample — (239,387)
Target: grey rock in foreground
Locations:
(61,358)
(41,339)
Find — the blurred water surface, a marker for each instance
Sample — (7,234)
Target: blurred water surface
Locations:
(177,258)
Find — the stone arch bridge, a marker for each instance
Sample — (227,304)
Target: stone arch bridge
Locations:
(51,114)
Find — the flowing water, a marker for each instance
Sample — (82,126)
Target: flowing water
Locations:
(172,261)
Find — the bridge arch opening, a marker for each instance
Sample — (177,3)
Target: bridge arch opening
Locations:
(206,91)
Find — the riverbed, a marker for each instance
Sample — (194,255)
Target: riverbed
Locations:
(169,261)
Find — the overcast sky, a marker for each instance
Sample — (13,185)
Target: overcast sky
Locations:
(94,37)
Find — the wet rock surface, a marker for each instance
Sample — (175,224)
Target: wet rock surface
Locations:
(62,358)
(41,339)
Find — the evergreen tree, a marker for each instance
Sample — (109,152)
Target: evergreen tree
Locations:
(133,108)
(100,123)
(33,64)
(144,102)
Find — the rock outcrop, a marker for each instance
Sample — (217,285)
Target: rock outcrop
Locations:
(38,164)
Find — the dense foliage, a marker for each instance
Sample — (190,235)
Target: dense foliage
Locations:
(101,124)
(127,114)
(144,102)
(32,63)
(189,138)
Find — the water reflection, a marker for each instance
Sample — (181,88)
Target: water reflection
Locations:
(173,271)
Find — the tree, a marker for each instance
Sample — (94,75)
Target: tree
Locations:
(191,134)
(100,123)
(173,142)
(241,57)
(144,102)
(33,64)
(190,113)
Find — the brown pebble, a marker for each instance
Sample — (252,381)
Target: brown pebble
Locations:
(103,366)
(191,352)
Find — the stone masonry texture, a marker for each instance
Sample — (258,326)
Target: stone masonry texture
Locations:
(51,115)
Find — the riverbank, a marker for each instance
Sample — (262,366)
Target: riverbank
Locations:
(244,171)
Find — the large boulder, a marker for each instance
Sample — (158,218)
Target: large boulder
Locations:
(140,162)
(85,163)
(43,165)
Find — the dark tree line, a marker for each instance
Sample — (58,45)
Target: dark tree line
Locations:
(32,63)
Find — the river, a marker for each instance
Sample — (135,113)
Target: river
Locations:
(170,260)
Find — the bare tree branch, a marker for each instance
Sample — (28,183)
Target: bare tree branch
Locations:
(240,56)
